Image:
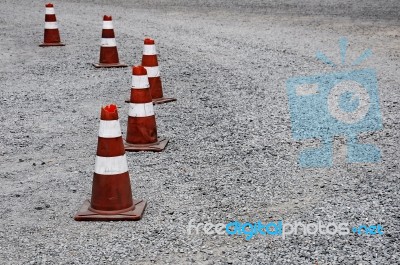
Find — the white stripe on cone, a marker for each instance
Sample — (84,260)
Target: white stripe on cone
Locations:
(141,109)
(109,129)
(50,11)
(108,24)
(111,165)
(140,81)
(149,49)
(50,25)
(152,71)
(108,42)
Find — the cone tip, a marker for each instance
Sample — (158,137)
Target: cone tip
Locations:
(148,41)
(49,5)
(139,70)
(107,18)
(109,112)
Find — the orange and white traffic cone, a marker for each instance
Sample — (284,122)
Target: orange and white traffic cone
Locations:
(51,33)
(142,129)
(111,188)
(149,61)
(108,50)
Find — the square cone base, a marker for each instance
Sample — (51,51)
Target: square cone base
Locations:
(162,100)
(109,65)
(154,147)
(84,214)
(156,101)
(51,44)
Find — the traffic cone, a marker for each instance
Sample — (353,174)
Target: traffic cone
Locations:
(51,33)
(111,188)
(142,129)
(108,50)
(149,61)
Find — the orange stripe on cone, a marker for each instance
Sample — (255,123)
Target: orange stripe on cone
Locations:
(108,49)
(111,188)
(51,32)
(150,62)
(111,195)
(142,128)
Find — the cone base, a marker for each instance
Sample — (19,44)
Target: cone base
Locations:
(162,100)
(109,65)
(154,147)
(51,44)
(84,214)
(157,100)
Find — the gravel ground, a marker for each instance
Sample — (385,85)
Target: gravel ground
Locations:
(231,155)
